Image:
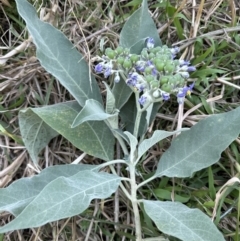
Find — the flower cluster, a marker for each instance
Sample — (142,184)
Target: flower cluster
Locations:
(155,73)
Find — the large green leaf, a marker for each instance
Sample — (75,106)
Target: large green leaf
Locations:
(121,92)
(137,28)
(20,193)
(157,136)
(94,137)
(201,146)
(59,57)
(64,197)
(92,111)
(35,133)
(178,220)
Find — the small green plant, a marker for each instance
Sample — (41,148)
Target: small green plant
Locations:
(144,69)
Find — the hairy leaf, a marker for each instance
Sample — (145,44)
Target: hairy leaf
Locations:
(201,146)
(64,197)
(93,137)
(35,133)
(157,136)
(121,92)
(133,144)
(110,100)
(92,111)
(20,193)
(59,57)
(138,27)
(178,220)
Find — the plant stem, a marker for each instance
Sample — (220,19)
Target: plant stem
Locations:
(138,117)
(135,202)
(137,122)
(146,181)
(121,185)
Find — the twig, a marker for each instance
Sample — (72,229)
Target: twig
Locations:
(185,43)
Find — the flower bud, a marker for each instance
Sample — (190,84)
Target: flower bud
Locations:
(154,84)
(119,50)
(166,88)
(148,70)
(120,60)
(156,93)
(116,78)
(184,74)
(160,66)
(127,64)
(111,54)
(149,78)
(134,58)
(144,53)
(126,51)
(151,55)
(164,80)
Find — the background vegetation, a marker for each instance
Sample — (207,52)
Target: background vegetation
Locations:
(207,33)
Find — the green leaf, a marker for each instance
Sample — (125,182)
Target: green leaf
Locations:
(35,133)
(15,198)
(92,111)
(178,220)
(157,136)
(59,57)
(64,197)
(94,138)
(122,93)
(133,144)
(121,133)
(167,195)
(208,72)
(137,28)
(201,146)
(133,3)
(110,100)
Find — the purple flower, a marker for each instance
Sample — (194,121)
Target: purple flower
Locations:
(99,68)
(142,100)
(154,72)
(183,62)
(175,50)
(133,79)
(107,72)
(186,90)
(140,87)
(184,65)
(140,66)
(149,63)
(165,95)
(150,43)
(191,68)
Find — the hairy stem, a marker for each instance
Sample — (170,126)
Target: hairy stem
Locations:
(135,202)
(138,117)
